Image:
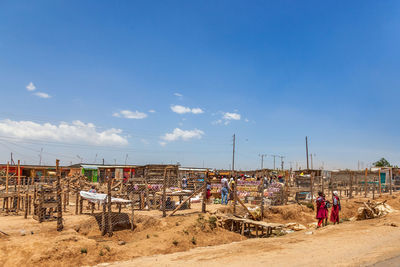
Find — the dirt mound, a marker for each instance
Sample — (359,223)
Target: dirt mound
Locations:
(289,213)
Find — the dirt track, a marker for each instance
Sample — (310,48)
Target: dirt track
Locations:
(349,244)
(185,239)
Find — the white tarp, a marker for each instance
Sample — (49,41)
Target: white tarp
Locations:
(96,197)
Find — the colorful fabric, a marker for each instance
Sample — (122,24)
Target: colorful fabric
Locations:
(321,210)
(335,210)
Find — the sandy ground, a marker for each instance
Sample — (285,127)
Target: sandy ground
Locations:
(350,244)
(188,239)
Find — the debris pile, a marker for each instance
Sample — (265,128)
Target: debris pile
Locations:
(373,210)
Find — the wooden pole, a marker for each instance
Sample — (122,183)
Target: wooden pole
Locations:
(365,182)
(8,167)
(203,206)
(351,185)
(77,202)
(18,186)
(164,198)
(110,226)
(312,187)
(59,200)
(103,219)
(186,200)
(379,181)
(235,197)
(132,213)
(391,178)
(147,192)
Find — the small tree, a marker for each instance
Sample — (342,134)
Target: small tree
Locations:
(382,163)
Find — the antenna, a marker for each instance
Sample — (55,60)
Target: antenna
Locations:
(40,156)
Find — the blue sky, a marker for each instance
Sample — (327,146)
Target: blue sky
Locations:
(271,72)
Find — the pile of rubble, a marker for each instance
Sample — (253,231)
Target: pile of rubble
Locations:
(373,210)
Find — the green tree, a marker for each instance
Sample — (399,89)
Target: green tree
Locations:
(382,163)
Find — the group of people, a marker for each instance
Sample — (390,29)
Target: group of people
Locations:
(322,208)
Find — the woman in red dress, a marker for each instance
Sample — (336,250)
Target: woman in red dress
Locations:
(335,207)
(321,210)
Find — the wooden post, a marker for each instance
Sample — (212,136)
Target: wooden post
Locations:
(262,200)
(59,200)
(203,206)
(235,197)
(103,219)
(8,166)
(110,226)
(147,192)
(132,213)
(41,201)
(365,182)
(312,187)
(77,202)
(391,178)
(164,199)
(80,205)
(373,189)
(18,185)
(379,181)
(26,205)
(351,185)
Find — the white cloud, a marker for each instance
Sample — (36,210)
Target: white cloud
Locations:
(246,120)
(184,135)
(182,110)
(178,95)
(76,131)
(227,117)
(42,95)
(127,114)
(152,111)
(231,116)
(31,87)
(162,143)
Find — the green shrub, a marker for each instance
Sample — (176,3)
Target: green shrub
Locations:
(83,250)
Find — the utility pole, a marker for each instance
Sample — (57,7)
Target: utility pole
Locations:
(12,160)
(307,151)
(126,158)
(103,162)
(262,160)
(282,157)
(312,167)
(233,154)
(274,156)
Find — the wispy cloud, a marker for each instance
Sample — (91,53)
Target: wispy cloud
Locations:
(231,116)
(178,95)
(31,87)
(128,114)
(152,111)
(183,110)
(179,134)
(76,131)
(227,117)
(42,95)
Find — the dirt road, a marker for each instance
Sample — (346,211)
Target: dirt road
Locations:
(361,243)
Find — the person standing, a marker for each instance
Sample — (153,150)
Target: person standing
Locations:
(184,182)
(224,191)
(335,208)
(321,210)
